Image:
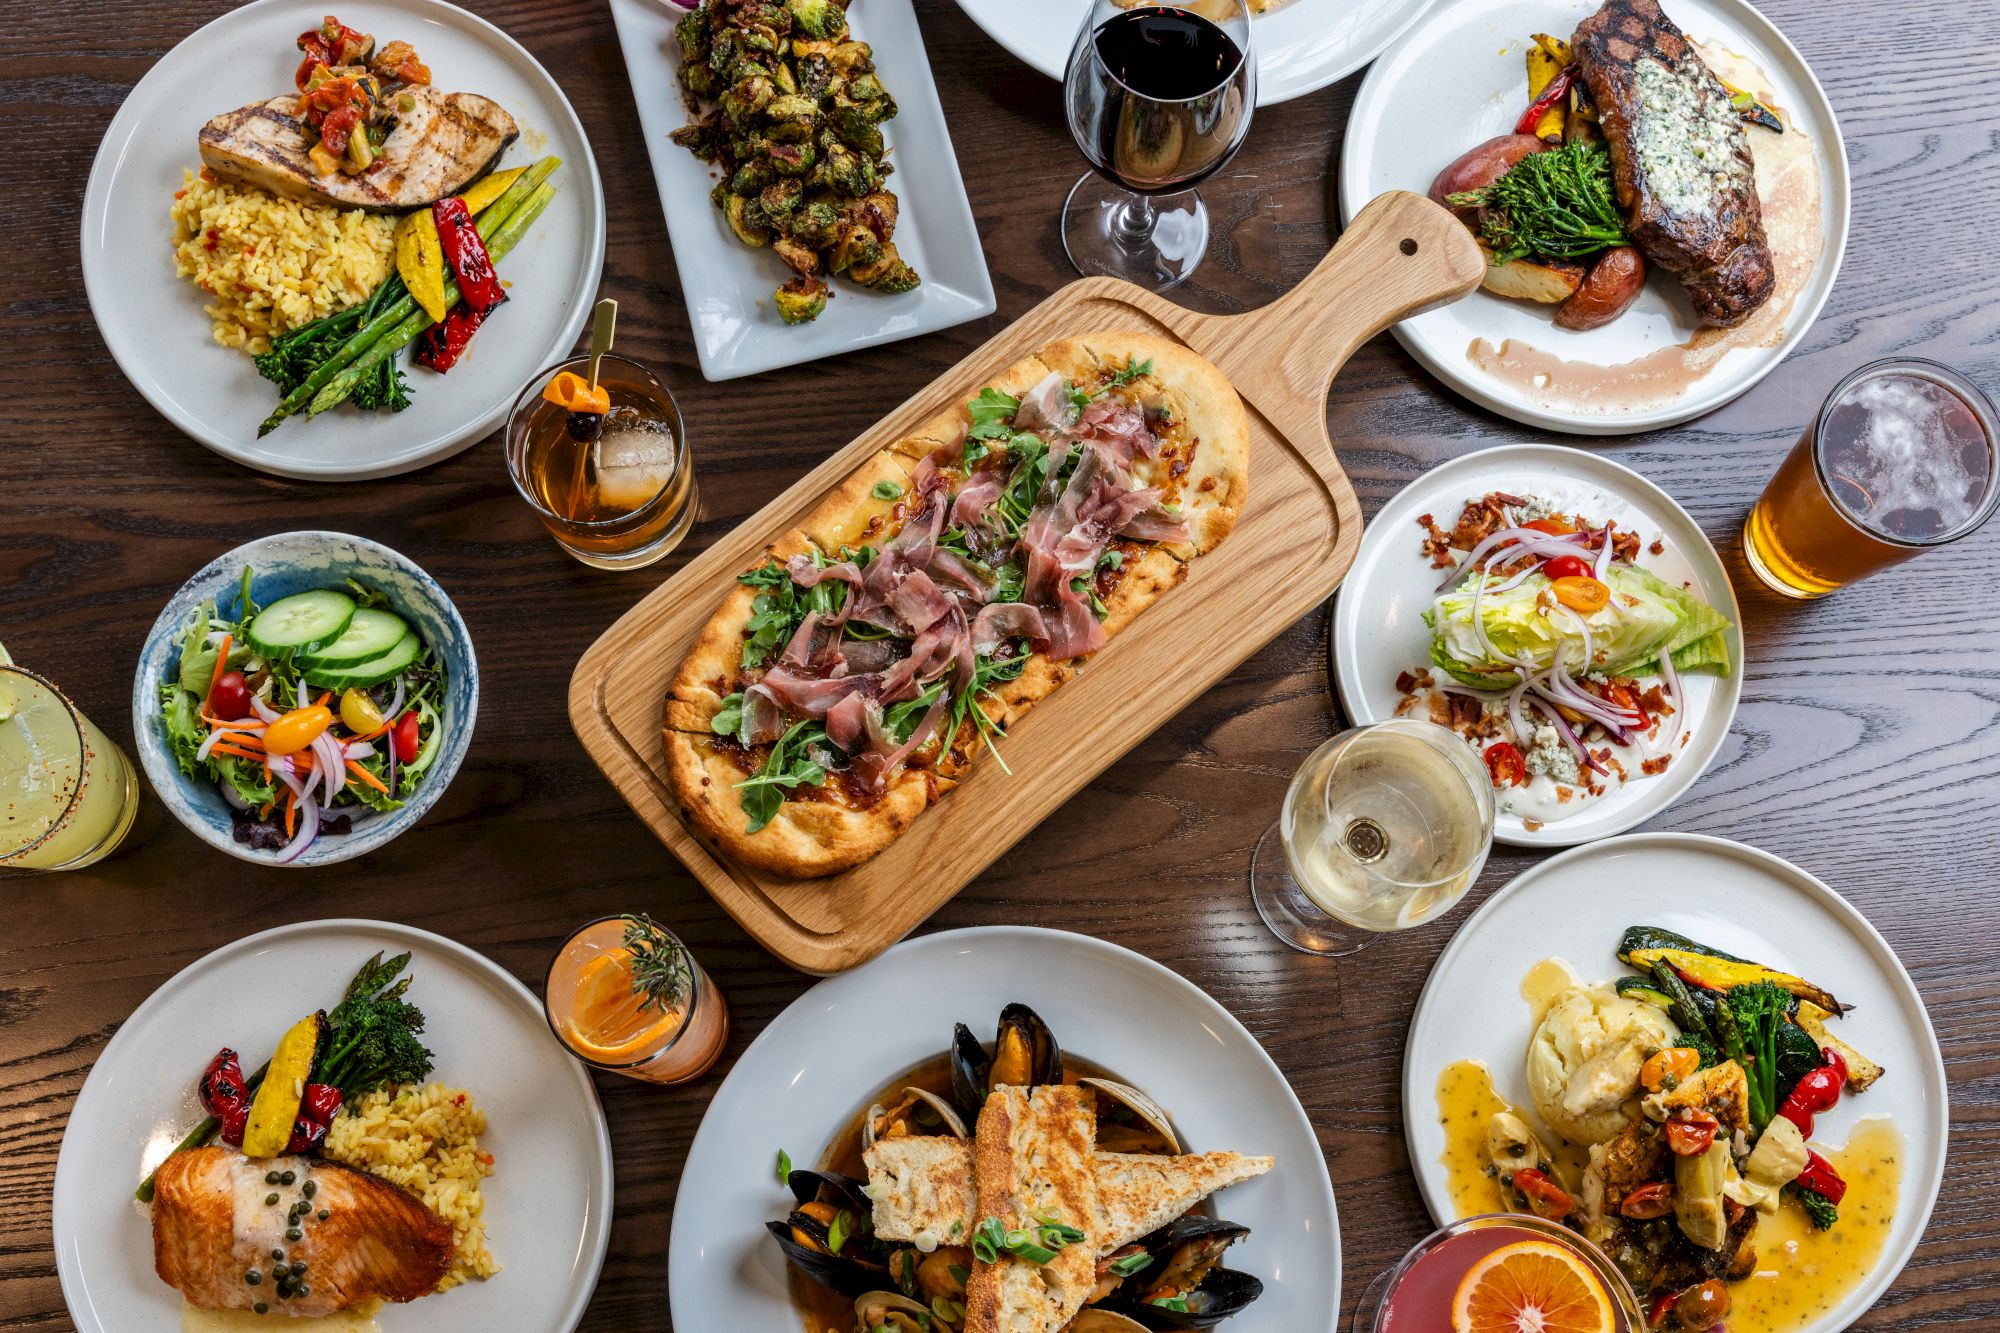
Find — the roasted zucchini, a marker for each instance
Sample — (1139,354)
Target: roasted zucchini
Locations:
(1699,965)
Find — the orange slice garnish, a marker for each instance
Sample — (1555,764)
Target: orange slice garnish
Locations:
(607,1021)
(1533,1286)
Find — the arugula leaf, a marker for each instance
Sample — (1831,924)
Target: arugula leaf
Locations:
(1133,370)
(789,766)
(728,720)
(1081,584)
(991,413)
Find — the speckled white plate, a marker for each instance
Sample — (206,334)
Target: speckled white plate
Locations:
(808,1074)
(153,321)
(1379,630)
(1728,896)
(1460,78)
(548,1203)
(1302,45)
(287,563)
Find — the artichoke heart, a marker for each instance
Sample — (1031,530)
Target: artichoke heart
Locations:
(1699,1182)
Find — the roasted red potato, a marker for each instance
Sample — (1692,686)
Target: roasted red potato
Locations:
(1610,286)
(1482,166)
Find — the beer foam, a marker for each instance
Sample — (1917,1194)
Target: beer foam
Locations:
(1908,458)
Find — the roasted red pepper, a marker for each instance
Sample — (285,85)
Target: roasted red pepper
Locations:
(317,1108)
(233,1120)
(1558,89)
(222,1085)
(1816,1092)
(478,286)
(1820,1177)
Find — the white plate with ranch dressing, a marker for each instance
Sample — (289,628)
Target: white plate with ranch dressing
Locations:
(1379,630)
(1459,79)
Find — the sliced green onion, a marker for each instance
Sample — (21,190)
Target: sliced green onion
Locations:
(784,1167)
(1131,1263)
(836,1234)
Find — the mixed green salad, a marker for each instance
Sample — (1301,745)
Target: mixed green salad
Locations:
(305,713)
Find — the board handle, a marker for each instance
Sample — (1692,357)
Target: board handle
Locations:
(1400,256)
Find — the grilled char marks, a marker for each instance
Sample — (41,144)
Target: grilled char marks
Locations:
(1680,157)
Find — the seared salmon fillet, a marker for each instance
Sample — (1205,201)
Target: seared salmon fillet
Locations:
(212,1227)
(1680,158)
(443,143)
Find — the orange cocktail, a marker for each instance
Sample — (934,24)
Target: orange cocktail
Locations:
(624,995)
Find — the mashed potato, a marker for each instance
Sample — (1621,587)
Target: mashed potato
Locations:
(1583,1061)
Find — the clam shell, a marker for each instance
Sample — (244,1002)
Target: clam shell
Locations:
(953,1122)
(1139,1104)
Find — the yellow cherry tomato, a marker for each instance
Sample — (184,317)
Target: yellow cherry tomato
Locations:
(572,392)
(359,712)
(297,729)
(1581,593)
(1668,1068)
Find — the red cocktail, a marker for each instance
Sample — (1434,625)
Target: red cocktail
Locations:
(1499,1273)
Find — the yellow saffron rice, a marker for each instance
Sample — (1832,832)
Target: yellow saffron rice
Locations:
(426,1140)
(269,265)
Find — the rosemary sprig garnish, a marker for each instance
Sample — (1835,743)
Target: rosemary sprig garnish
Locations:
(659,965)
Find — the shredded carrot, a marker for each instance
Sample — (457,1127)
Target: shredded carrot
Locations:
(367,777)
(321,701)
(256,756)
(227,737)
(291,809)
(355,740)
(265,811)
(221,663)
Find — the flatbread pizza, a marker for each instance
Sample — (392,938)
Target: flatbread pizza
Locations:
(945,587)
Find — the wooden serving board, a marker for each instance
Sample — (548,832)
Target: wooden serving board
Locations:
(1296,537)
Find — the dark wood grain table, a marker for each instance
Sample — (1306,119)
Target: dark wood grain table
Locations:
(1867,747)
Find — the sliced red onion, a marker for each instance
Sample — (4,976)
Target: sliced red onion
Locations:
(1670,676)
(1602,565)
(302,693)
(233,797)
(1560,689)
(263,710)
(395,701)
(332,768)
(202,750)
(1529,536)
(1522,731)
(358,750)
(308,830)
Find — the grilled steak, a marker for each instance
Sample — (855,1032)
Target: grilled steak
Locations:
(443,143)
(1680,158)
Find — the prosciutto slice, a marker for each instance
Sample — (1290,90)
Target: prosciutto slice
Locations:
(1118,430)
(919,601)
(1045,407)
(1007,620)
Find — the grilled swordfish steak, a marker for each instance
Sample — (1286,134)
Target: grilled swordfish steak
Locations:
(443,143)
(212,1228)
(1680,158)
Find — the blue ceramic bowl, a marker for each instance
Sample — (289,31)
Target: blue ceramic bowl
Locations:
(283,564)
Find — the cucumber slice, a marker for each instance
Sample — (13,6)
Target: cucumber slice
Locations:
(305,620)
(368,674)
(368,636)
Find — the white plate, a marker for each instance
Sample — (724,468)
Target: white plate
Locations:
(1302,45)
(153,321)
(1379,631)
(808,1074)
(1460,79)
(728,285)
(548,1205)
(1729,896)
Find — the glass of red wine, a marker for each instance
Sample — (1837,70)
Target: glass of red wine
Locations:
(1159,97)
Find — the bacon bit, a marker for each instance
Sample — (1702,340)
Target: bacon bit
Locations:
(1657,547)
(1615,766)
(1532,825)
(1405,682)
(1563,794)
(1405,705)
(1652,768)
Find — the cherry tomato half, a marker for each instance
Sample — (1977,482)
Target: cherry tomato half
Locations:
(1555,527)
(1690,1133)
(1504,762)
(1628,698)
(1567,567)
(405,737)
(1665,1069)
(1583,595)
(229,697)
(1547,1198)
(1649,1201)
(297,729)
(359,713)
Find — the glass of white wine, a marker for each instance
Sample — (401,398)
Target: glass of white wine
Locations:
(1384,827)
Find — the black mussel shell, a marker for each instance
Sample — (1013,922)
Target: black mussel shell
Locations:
(1023,1036)
(808,1186)
(968,1073)
(1224,1292)
(850,1272)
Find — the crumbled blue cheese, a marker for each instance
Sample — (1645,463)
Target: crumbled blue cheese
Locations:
(1535,507)
(1688,137)
(1551,757)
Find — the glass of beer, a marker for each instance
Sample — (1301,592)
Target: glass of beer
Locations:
(1384,828)
(67,794)
(626,996)
(1900,459)
(616,490)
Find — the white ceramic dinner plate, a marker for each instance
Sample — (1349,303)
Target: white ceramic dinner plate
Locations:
(1302,45)
(1460,78)
(1728,896)
(153,320)
(728,285)
(810,1073)
(1379,630)
(548,1203)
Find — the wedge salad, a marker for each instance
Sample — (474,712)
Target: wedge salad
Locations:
(319,708)
(1556,654)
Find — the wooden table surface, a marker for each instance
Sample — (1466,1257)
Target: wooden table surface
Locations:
(1867,747)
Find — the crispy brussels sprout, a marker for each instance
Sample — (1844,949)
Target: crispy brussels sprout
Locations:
(793,118)
(744,221)
(801,300)
(819,18)
(791,159)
